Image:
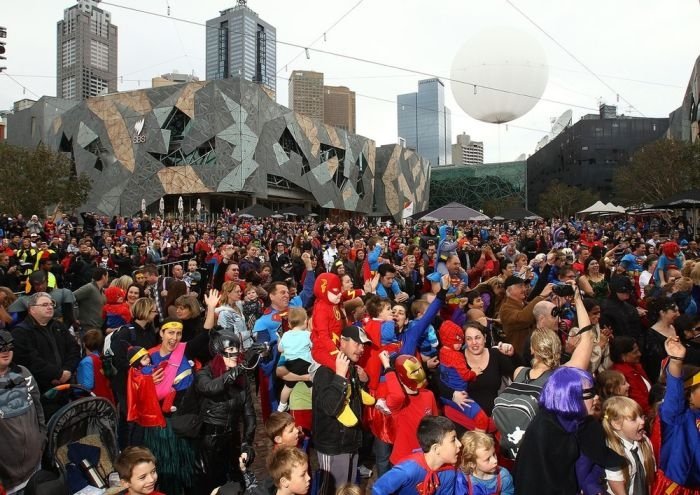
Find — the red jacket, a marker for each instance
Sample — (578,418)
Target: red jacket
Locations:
(636,376)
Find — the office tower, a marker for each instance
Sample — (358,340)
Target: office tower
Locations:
(86,48)
(339,107)
(425,123)
(467,152)
(306,93)
(240,44)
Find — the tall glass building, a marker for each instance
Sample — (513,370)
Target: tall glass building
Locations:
(425,123)
(239,43)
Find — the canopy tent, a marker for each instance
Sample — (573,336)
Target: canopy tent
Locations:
(600,208)
(686,199)
(295,211)
(517,213)
(454,211)
(257,211)
(420,214)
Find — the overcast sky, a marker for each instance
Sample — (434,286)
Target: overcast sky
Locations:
(643,49)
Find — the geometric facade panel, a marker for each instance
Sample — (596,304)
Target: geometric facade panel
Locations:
(215,137)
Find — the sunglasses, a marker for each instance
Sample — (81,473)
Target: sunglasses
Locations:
(588,393)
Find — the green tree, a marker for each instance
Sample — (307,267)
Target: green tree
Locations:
(493,207)
(562,200)
(657,171)
(34,180)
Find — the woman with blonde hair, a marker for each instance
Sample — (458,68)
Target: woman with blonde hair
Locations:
(230,313)
(623,422)
(122,282)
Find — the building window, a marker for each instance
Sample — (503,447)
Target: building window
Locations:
(99,55)
(68,88)
(68,53)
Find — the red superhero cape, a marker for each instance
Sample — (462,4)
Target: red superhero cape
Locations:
(141,400)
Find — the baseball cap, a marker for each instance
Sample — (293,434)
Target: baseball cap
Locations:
(355,333)
(513,280)
(37,277)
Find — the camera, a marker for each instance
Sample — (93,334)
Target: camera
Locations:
(563,290)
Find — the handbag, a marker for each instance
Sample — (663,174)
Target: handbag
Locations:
(186,425)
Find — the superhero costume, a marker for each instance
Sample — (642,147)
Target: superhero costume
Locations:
(328,319)
(268,328)
(414,477)
(456,374)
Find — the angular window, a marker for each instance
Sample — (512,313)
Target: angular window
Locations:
(290,145)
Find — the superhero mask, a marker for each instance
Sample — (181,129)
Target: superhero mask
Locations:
(410,372)
(328,288)
(114,294)
(451,335)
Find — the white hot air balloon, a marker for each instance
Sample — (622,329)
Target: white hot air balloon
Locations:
(504,59)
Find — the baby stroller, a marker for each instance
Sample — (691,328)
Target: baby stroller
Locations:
(83,431)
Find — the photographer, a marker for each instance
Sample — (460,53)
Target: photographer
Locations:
(225,400)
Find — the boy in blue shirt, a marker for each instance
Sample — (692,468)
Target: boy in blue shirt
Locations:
(430,472)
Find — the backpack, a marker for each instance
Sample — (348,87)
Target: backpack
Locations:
(515,408)
(108,367)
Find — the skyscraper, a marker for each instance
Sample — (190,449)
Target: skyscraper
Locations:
(306,93)
(240,44)
(339,107)
(425,123)
(86,48)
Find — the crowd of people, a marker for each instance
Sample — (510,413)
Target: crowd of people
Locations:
(553,356)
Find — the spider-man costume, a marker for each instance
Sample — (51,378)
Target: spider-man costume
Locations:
(455,373)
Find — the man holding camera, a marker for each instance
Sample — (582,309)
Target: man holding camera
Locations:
(516,316)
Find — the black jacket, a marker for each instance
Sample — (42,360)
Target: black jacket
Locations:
(224,401)
(45,351)
(328,400)
(623,317)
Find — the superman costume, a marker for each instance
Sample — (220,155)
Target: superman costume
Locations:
(414,477)
(268,328)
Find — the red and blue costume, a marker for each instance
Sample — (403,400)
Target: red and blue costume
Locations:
(414,477)
(269,328)
(456,374)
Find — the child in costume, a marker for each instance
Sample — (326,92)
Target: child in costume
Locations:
(140,363)
(430,472)
(456,374)
(116,311)
(623,421)
(679,466)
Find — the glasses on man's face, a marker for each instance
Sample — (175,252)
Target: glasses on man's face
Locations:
(51,304)
(588,393)
(7,348)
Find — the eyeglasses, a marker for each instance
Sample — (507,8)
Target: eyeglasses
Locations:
(588,393)
(7,348)
(52,304)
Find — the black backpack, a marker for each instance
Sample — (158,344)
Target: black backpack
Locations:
(515,407)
